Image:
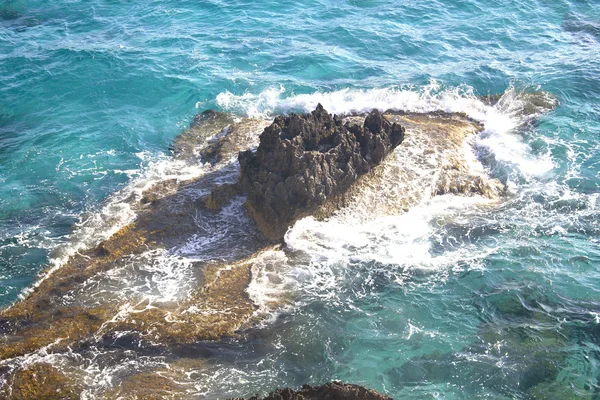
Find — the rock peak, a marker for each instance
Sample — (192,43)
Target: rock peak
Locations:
(305,159)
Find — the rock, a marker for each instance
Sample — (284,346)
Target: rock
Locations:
(305,159)
(330,391)
(40,381)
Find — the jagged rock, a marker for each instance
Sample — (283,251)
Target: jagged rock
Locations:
(305,159)
(329,391)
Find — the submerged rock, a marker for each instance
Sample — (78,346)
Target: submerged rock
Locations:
(305,159)
(205,125)
(330,391)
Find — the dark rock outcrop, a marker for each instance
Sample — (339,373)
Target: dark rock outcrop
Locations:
(305,159)
(330,391)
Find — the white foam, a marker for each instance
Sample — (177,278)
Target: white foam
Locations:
(425,99)
(403,240)
(154,276)
(322,257)
(271,284)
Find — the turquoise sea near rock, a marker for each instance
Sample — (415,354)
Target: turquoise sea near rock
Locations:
(453,299)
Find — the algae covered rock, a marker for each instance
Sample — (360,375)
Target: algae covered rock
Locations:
(40,381)
(305,159)
(205,125)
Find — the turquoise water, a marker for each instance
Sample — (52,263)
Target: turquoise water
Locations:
(502,303)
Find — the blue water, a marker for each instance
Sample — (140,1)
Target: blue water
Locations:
(91,92)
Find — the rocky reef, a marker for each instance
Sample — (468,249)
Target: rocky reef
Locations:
(304,164)
(304,160)
(329,391)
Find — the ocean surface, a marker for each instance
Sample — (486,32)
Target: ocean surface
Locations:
(454,299)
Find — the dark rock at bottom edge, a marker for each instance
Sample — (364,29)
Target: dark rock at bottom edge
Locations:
(334,390)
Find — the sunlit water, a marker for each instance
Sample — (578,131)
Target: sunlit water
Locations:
(454,299)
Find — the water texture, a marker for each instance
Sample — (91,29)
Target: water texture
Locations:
(453,299)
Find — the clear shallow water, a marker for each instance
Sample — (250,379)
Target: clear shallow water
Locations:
(93,93)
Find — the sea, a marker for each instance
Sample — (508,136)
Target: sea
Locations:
(455,298)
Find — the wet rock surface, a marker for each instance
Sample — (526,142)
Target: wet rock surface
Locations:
(40,381)
(329,391)
(305,159)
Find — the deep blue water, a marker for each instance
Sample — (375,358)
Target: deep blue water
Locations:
(92,92)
